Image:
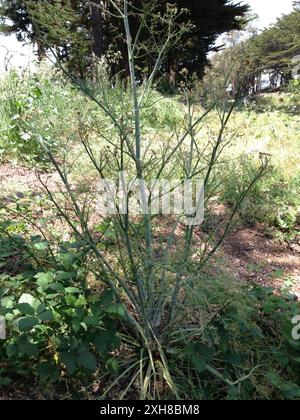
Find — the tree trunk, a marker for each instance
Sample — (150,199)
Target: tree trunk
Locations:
(96,27)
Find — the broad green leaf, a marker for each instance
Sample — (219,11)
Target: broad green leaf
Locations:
(7,302)
(40,309)
(46,316)
(207,353)
(30,349)
(282,357)
(76,325)
(25,308)
(113,364)
(199,363)
(69,360)
(43,279)
(63,275)
(48,370)
(87,360)
(233,394)
(4,381)
(41,246)
(57,287)
(27,323)
(3,290)
(27,298)
(91,320)
(105,341)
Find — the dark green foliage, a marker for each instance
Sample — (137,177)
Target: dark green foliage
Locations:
(19,23)
(77,29)
(249,340)
(208,20)
(270,56)
(275,48)
(54,322)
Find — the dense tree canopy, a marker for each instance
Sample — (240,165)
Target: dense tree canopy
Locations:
(270,56)
(274,50)
(80,28)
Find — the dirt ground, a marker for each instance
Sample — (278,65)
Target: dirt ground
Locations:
(19,180)
(250,253)
(254,257)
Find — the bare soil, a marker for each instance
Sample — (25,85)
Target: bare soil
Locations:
(255,257)
(250,253)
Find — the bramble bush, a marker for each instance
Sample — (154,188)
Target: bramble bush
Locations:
(227,341)
(56,325)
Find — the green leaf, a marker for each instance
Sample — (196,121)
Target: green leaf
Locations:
(27,298)
(40,309)
(199,363)
(48,370)
(105,341)
(282,357)
(107,297)
(46,316)
(41,246)
(4,290)
(25,308)
(113,364)
(69,360)
(30,349)
(57,287)
(190,349)
(43,279)
(91,320)
(233,358)
(27,323)
(76,325)
(233,394)
(7,302)
(62,275)
(116,309)
(37,92)
(87,360)
(273,378)
(207,352)
(7,254)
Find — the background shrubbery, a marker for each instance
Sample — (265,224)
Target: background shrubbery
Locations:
(34,106)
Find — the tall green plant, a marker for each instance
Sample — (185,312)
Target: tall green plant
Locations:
(147,270)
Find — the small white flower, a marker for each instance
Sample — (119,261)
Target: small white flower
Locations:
(25,136)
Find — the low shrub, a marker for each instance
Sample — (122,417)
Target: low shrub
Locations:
(245,350)
(32,107)
(273,200)
(56,325)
